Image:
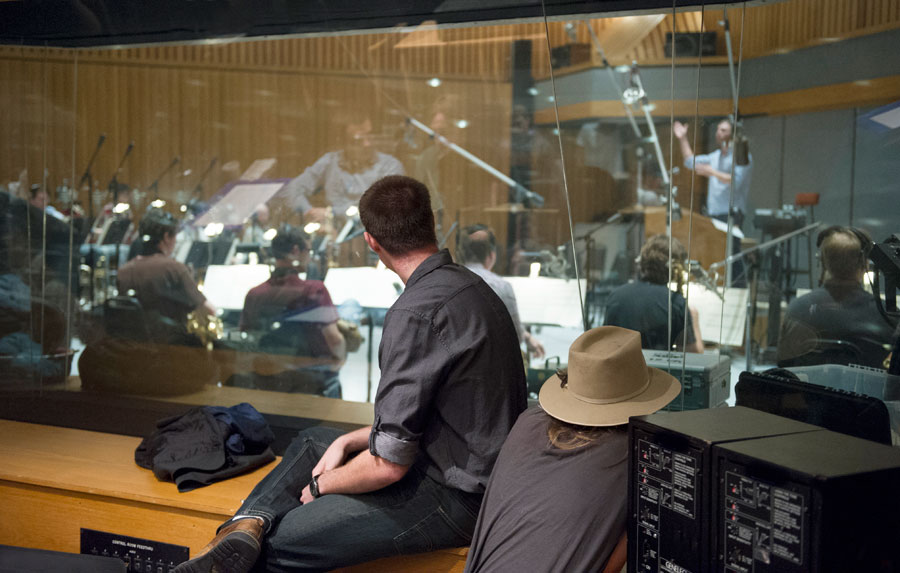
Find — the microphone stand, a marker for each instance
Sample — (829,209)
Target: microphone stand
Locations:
(88,178)
(199,188)
(114,182)
(774,301)
(520,192)
(595,42)
(155,185)
(114,186)
(452,228)
(645,106)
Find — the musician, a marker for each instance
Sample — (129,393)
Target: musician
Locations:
(643,305)
(478,252)
(717,167)
(306,319)
(152,344)
(838,322)
(38,199)
(257,225)
(344,174)
(161,284)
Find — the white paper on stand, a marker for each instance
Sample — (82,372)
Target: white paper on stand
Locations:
(369,286)
(728,317)
(547,300)
(226,286)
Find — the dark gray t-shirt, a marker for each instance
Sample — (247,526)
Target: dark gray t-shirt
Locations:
(548,509)
(452,381)
(644,307)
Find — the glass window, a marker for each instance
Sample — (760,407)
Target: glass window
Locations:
(180,220)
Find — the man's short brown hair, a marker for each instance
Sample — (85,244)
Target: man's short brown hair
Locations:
(396,211)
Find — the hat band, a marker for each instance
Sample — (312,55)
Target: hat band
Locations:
(611,400)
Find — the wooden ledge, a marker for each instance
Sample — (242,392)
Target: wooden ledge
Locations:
(55,481)
(101,464)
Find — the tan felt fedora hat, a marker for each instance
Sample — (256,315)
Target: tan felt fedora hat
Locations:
(607,381)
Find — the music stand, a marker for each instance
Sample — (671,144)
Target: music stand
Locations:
(226,286)
(549,301)
(382,287)
(237,201)
(204,254)
(728,316)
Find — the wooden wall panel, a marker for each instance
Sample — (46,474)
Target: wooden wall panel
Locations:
(282,98)
(236,115)
(768,29)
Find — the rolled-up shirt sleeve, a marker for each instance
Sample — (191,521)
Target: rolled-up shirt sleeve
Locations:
(414,367)
(690,161)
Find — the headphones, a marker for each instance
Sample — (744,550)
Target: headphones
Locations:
(865,241)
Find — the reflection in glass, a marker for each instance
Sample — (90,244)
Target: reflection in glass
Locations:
(237,140)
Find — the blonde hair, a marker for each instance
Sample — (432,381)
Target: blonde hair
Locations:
(566,436)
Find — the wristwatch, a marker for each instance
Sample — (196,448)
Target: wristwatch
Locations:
(314,486)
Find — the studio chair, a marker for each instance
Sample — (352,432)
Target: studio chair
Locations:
(123,317)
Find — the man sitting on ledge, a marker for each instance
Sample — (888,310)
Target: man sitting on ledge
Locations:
(452,386)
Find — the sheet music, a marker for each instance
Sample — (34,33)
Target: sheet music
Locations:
(723,226)
(226,286)
(369,286)
(547,300)
(732,318)
(236,206)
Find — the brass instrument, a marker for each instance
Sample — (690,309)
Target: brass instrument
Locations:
(206,327)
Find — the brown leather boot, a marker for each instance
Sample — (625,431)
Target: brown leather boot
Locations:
(233,550)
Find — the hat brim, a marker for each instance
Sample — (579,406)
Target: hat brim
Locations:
(560,403)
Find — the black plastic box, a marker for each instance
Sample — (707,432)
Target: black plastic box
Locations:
(670,489)
(812,502)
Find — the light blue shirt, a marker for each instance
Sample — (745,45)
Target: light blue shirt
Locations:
(718,193)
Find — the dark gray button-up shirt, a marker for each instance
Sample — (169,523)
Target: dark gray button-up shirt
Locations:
(452,378)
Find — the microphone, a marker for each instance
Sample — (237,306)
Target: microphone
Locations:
(741,150)
(102,139)
(571,31)
(702,277)
(345,232)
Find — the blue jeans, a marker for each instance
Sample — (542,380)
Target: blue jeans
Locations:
(415,514)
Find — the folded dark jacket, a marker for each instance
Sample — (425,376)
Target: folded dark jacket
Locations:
(207,444)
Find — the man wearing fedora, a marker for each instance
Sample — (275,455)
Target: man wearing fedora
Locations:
(557,498)
(452,386)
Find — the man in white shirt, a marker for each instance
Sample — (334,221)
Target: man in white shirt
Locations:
(717,166)
(478,252)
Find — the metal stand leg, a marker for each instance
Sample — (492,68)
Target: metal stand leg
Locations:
(371,321)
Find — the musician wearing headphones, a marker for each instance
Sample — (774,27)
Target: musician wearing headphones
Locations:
(837,323)
(643,305)
(478,252)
